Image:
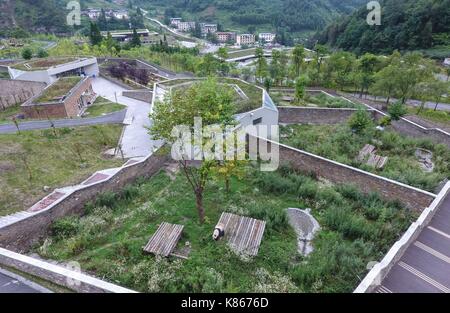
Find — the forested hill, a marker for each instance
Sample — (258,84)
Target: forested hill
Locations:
(405,25)
(292,15)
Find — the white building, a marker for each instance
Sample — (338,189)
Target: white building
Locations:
(267,37)
(93,14)
(226,36)
(208,28)
(245,39)
(120,14)
(51,69)
(447,62)
(186,26)
(175,21)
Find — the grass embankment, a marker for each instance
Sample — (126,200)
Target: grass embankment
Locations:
(6,116)
(108,240)
(103,106)
(58,89)
(432,115)
(53,161)
(313,100)
(339,143)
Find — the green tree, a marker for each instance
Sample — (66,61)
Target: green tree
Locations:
(261,64)
(208,100)
(27,53)
(42,54)
(298,56)
(360,121)
(95,35)
(397,110)
(136,39)
(300,87)
(385,83)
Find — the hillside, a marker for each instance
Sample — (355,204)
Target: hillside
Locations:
(405,25)
(291,15)
(44,16)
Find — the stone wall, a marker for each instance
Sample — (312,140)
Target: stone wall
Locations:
(314,116)
(14,92)
(55,110)
(21,235)
(142,95)
(338,173)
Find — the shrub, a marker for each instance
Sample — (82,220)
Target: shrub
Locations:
(385,121)
(65,227)
(360,121)
(27,54)
(107,199)
(397,110)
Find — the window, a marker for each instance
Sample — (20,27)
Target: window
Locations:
(257,121)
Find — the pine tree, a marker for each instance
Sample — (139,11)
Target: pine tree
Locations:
(95,36)
(136,40)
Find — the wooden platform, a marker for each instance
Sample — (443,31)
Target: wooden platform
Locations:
(243,234)
(368,155)
(164,241)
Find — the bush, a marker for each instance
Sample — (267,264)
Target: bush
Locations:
(27,54)
(42,54)
(66,227)
(385,121)
(360,121)
(397,110)
(107,199)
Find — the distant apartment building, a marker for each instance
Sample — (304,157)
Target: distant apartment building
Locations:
(95,14)
(267,37)
(49,70)
(186,26)
(68,97)
(208,28)
(245,39)
(127,35)
(175,21)
(226,36)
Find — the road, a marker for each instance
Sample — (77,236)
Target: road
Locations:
(136,141)
(12,283)
(113,118)
(425,266)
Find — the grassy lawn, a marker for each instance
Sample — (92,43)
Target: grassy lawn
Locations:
(7,115)
(102,106)
(107,241)
(53,161)
(59,89)
(337,142)
(241,53)
(42,64)
(317,100)
(431,115)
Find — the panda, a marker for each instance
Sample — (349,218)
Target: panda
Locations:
(219,232)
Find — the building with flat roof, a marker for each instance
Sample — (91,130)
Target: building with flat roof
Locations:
(49,70)
(208,28)
(226,36)
(186,26)
(175,21)
(267,37)
(245,39)
(66,98)
(127,35)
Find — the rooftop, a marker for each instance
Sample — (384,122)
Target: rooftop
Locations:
(58,90)
(44,64)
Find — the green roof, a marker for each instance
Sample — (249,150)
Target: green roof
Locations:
(43,64)
(59,89)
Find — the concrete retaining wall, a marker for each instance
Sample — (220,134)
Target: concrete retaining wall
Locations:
(21,235)
(414,198)
(142,95)
(376,276)
(59,275)
(13,92)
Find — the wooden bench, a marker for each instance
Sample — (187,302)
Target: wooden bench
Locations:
(164,241)
(244,234)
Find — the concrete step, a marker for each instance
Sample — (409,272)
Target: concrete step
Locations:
(10,219)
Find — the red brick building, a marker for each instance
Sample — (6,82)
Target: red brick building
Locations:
(66,98)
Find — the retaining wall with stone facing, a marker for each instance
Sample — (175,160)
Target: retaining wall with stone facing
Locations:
(414,198)
(141,95)
(22,234)
(13,92)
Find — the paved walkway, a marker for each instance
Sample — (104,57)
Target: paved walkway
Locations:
(136,141)
(425,266)
(13,283)
(113,118)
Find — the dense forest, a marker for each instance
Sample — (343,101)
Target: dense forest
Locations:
(405,25)
(293,15)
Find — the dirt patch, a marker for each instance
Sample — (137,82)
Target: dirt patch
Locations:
(6,166)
